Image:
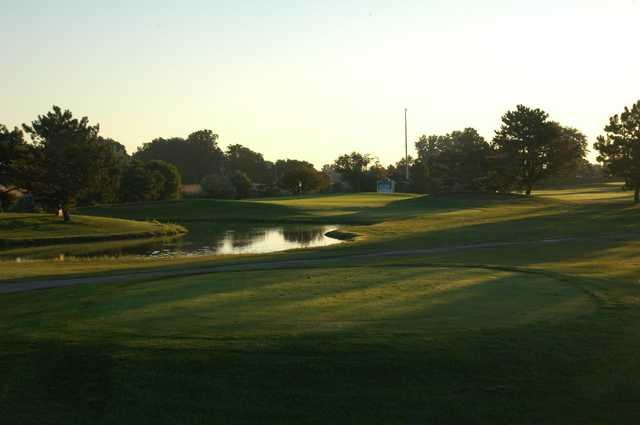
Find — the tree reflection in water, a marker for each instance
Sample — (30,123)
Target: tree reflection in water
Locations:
(303,236)
(245,238)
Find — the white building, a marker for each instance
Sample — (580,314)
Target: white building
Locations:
(386,185)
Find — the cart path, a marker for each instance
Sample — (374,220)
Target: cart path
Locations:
(150,274)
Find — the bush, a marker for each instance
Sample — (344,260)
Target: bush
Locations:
(266,191)
(24,204)
(271,191)
(192,191)
(242,184)
(303,179)
(137,183)
(7,199)
(168,187)
(149,181)
(218,186)
(339,187)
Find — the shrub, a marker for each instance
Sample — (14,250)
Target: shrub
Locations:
(7,199)
(192,191)
(25,204)
(303,179)
(138,183)
(218,186)
(168,187)
(242,184)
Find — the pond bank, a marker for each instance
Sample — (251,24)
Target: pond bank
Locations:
(202,239)
(23,230)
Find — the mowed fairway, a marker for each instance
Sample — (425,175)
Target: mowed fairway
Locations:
(543,330)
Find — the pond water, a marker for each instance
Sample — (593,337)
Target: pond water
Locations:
(202,239)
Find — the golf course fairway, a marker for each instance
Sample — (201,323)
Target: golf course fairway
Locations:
(457,309)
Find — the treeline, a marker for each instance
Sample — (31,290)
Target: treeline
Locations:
(528,151)
(68,163)
(237,172)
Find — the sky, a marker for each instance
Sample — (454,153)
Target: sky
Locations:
(314,80)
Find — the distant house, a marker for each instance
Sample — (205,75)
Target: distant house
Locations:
(386,185)
(191,190)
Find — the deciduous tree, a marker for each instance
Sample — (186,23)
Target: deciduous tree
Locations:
(242,159)
(242,183)
(112,157)
(353,168)
(452,162)
(218,186)
(195,157)
(301,176)
(172,182)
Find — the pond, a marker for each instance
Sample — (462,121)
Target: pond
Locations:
(202,239)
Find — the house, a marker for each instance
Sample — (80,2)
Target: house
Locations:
(386,185)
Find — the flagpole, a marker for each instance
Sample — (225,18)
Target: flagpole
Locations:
(406,147)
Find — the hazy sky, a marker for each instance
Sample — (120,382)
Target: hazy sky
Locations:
(313,80)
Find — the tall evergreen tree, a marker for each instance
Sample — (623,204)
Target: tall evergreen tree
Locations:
(529,147)
(12,148)
(619,148)
(14,152)
(68,158)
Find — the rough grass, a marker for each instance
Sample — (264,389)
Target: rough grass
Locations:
(46,229)
(536,333)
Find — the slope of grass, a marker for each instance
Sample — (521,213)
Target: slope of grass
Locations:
(46,229)
(409,221)
(528,334)
(382,346)
(381,343)
(415,220)
(314,209)
(384,222)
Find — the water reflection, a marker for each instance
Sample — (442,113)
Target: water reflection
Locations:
(202,239)
(257,241)
(302,236)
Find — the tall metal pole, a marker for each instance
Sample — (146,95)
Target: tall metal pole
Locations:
(406,148)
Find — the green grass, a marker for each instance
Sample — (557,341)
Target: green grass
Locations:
(527,334)
(383,343)
(384,222)
(418,221)
(351,208)
(46,229)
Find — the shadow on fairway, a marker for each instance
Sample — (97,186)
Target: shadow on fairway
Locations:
(493,349)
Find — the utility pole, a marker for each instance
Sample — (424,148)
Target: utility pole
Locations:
(406,148)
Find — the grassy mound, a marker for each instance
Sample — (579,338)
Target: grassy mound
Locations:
(349,208)
(46,229)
